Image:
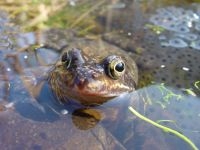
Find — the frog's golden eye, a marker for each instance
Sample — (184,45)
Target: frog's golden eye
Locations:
(116,68)
(66,59)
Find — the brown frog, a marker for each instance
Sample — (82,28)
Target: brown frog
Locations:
(93,73)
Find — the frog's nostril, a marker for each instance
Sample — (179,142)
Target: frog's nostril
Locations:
(94,75)
(81,82)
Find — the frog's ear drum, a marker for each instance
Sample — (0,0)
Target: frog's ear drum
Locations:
(115,67)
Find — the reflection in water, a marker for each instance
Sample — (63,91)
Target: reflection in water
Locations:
(86,118)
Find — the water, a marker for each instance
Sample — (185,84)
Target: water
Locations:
(168,92)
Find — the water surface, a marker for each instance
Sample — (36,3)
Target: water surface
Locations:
(162,37)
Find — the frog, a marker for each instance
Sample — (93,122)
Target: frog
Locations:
(33,114)
(93,73)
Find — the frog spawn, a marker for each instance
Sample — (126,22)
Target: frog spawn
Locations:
(182,27)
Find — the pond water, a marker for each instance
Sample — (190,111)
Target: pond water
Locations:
(163,39)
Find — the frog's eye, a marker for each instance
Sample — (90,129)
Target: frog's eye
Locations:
(66,59)
(116,68)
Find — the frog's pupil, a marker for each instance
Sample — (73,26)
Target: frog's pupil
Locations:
(119,67)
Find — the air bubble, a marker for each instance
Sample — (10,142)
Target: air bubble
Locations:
(64,112)
(189,24)
(196,17)
(8,69)
(162,66)
(185,68)
(129,33)
(25,57)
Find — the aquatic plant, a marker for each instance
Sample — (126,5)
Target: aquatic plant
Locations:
(168,94)
(197,85)
(164,128)
(156,29)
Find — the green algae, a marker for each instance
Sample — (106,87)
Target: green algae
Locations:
(156,29)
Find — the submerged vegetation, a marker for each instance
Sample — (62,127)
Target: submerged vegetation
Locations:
(165,97)
(165,129)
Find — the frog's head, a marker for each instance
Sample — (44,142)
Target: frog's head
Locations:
(93,80)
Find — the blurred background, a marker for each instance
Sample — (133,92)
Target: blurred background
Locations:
(82,15)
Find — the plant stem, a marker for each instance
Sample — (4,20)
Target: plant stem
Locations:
(166,129)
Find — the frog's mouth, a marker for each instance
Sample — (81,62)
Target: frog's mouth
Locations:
(89,98)
(88,87)
(97,92)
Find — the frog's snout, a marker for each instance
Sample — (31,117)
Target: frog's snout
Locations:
(81,82)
